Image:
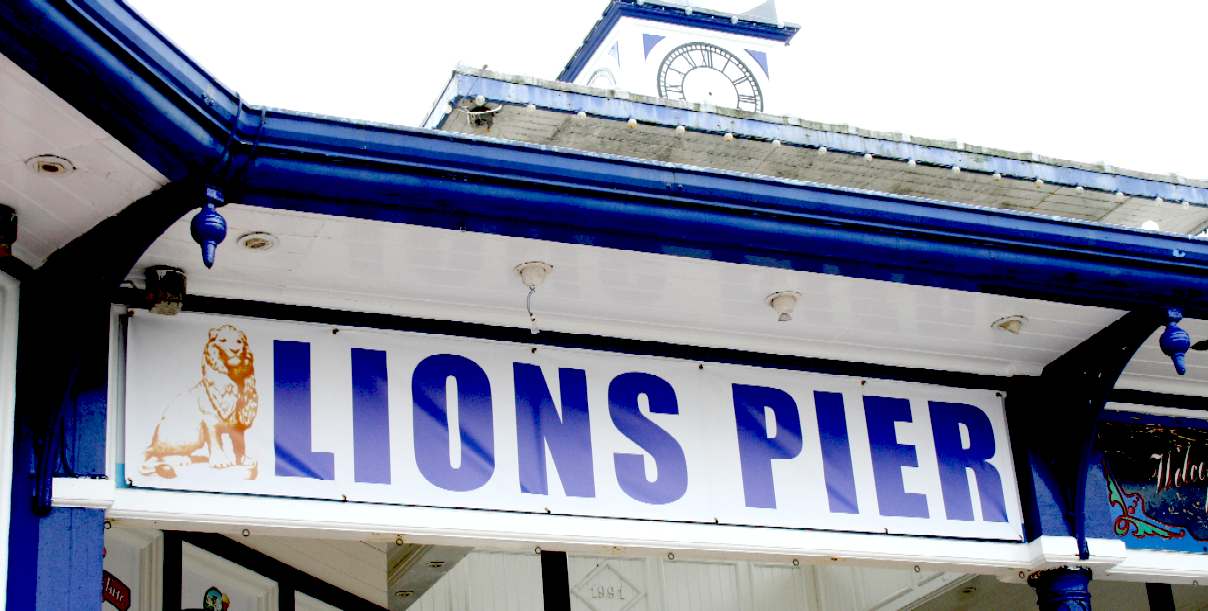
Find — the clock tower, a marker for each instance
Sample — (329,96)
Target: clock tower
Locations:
(724,53)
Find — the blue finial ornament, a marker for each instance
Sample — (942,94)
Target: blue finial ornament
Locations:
(208,227)
(1175,342)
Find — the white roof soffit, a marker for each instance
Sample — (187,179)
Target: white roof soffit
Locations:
(441,274)
(559,114)
(100,176)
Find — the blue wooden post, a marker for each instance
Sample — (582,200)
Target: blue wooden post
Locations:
(1063,589)
(1054,422)
(55,554)
(55,557)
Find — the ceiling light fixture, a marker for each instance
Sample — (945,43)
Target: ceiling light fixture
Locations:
(533,274)
(258,241)
(50,165)
(1011,324)
(783,302)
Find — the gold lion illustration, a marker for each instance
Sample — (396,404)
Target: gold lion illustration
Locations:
(214,413)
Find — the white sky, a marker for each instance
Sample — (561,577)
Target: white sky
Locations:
(1105,80)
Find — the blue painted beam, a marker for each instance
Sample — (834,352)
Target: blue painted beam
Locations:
(106,61)
(117,70)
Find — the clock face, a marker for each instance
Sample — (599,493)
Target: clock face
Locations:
(701,72)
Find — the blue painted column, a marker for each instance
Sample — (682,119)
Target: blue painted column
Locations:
(1063,589)
(55,554)
(1054,421)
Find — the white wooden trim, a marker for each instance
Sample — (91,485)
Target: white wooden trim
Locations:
(115,424)
(82,492)
(1154,410)
(150,544)
(210,512)
(1164,567)
(1049,552)
(197,559)
(8,367)
(519,531)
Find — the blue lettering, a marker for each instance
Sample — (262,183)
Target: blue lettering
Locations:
(291,415)
(836,453)
(370,417)
(569,435)
(954,459)
(431,422)
(672,469)
(756,450)
(889,456)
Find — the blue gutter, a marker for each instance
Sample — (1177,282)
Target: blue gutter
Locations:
(112,66)
(109,63)
(652,11)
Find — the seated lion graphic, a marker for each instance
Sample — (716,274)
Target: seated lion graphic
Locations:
(213,414)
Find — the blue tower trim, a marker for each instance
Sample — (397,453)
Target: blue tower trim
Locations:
(677,15)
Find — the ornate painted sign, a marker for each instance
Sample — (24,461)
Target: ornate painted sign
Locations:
(299,410)
(1157,479)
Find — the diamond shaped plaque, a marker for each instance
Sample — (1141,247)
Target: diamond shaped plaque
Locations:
(604,589)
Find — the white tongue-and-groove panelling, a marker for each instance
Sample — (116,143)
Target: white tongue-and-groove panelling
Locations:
(486,580)
(504,581)
(357,567)
(370,266)
(54,209)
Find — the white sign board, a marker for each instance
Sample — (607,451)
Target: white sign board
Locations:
(224,404)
